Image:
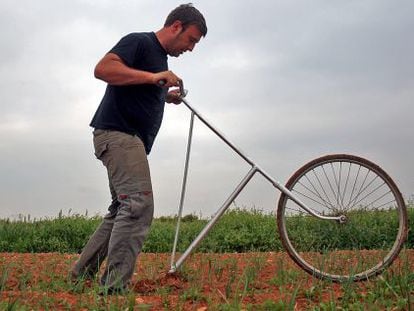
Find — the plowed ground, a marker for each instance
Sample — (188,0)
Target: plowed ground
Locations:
(251,281)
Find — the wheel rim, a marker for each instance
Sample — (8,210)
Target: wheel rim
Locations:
(375,226)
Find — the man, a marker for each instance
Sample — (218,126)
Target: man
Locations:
(125,126)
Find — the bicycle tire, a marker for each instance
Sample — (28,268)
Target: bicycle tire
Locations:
(371,237)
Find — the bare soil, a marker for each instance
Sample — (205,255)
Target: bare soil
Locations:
(205,282)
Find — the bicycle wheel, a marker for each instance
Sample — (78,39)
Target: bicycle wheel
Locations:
(366,242)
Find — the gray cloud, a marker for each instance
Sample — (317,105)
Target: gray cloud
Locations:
(286,81)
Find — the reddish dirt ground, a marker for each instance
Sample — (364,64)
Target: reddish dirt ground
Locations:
(40,281)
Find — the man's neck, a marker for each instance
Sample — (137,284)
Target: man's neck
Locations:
(162,36)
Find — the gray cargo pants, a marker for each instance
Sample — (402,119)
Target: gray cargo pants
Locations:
(122,233)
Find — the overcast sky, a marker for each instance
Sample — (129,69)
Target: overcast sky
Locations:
(286,81)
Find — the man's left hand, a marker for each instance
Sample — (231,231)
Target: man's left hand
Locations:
(173,97)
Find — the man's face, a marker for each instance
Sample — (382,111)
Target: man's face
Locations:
(184,40)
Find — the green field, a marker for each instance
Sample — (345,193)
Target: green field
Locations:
(239,230)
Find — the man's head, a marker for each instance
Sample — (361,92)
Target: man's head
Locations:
(184,27)
(187,15)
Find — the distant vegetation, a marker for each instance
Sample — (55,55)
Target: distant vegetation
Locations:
(238,230)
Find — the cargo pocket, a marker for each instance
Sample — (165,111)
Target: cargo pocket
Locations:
(142,206)
(100,150)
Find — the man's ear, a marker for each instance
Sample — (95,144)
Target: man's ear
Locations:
(177,27)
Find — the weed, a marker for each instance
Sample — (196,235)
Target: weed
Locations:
(4,275)
(25,280)
(218,270)
(283,275)
(269,305)
(231,278)
(10,305)
(249,276)
(327,306)
(351,293)
(193,294)
(293,297)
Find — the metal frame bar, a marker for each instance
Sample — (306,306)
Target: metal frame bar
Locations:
(254,168)
(183,188)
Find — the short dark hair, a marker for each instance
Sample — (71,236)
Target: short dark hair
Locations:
(188,15)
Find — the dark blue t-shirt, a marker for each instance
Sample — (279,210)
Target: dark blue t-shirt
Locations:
(135,109)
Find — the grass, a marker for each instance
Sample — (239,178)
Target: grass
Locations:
(238,230)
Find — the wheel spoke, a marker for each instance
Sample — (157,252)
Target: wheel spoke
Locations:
(321,200)
(323,189)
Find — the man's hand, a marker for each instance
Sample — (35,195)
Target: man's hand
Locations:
(173,97)
(166,78)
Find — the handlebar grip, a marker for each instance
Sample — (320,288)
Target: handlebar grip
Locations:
(162,82)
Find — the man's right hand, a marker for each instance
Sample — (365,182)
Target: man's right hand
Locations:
(166,79)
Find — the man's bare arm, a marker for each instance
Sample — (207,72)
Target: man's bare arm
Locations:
(114,71)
